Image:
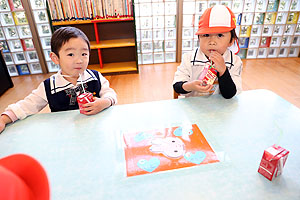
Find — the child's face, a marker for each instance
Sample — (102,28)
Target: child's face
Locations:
(215,42)
(73,57)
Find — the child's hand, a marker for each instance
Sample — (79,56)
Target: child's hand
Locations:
(96,106)
(196,85)
(219,62)
(4,119)
(2,125)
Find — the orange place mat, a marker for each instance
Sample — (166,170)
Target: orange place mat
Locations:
(166,149)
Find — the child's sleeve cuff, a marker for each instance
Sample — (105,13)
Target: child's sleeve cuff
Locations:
(11,115)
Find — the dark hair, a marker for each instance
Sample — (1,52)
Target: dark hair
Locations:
(233,35)
(63,35)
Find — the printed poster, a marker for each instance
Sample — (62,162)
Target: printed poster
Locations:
(166,149)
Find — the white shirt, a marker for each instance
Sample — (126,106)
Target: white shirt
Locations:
(193,64)
(37,100)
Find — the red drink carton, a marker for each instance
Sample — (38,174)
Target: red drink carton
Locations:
(208,75)
(273,161)
(83,99)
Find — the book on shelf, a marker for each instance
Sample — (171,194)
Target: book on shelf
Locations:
(296,41)
(252,53)
(278,30)
(245,31)
(89,9)
(261,6)
(247,19)
(272,6)
(40,16)
(8,58)
(46,42)
(275,42)
(249,6)
(24,31)
(35,68)
(38,4)
(47,54)
(238,17)
(295,5)
(286,41)
(12,70)
(289,29)
(259,18)
(20,18)
(243,42)
(262,53)
(242,53)
(7,19)
(4,6)
(270,18)
(281,18)
(4,46)
(254,42)
(267,30)
(23,69)
(19,58)
(292,18)
(11,32)
(32,56)
(282,52)
(15,5)
(273,52)
(2,37)
(284,5)
(237,6)
(52,67)
(27,44)
(15,45)
(265,42)
(44,30)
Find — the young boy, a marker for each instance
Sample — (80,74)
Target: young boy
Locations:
(70,49)
(216,34)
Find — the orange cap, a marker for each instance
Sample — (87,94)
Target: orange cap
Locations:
(22,177)
(217,19)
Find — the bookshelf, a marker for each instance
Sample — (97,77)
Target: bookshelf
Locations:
(266,28)
(112,37)
(22,25)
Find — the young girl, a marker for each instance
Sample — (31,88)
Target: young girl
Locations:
(70,50)
(216,37)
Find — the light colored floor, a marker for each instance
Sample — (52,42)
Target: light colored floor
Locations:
(154,82)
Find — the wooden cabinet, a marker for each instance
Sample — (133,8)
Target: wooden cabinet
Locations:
(113,43)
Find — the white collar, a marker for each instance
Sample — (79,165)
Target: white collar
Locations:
(59,83)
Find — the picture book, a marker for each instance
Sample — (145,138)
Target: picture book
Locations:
(166,149)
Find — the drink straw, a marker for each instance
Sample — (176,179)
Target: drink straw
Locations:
(81,83)
(83,88)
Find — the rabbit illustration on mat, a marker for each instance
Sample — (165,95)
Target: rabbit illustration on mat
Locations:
(170,146)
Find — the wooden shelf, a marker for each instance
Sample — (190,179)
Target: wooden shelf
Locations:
(115,67)
(113,43)
(116,47)
(113,20)
(74,22)
(64,23)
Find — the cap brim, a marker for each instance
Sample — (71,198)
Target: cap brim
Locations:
(31,172)
(211,30)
